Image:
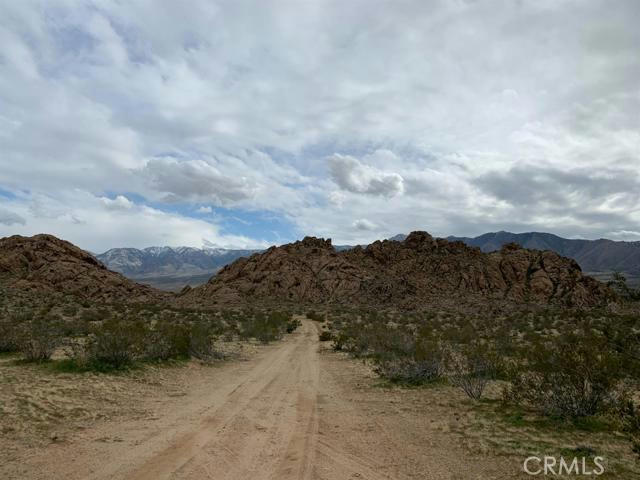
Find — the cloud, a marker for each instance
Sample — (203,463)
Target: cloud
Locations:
(204,209)
(418,115)
(536,186)
(336,198)
(119,203)
(85,220)
(197,180)
(9,218)
(364,224)
(351,175)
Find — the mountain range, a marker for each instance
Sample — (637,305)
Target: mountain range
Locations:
(172,268)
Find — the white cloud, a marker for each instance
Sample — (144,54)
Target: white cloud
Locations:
(119,203)
(428,112)
(204,209)
(88,221)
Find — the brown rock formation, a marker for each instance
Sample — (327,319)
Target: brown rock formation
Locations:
(45,264)
(418,272)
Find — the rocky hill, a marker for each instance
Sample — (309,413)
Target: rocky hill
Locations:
(45,264)
(416,272)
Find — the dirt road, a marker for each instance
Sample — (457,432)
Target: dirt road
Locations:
(292,412)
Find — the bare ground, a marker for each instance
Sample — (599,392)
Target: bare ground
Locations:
(294,410)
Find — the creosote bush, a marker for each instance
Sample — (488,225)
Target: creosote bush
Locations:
(8,336)
(325,336)
(114,344)
(37,336)
(572,376)
(471,367)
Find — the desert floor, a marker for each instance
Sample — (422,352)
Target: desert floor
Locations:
(290,410)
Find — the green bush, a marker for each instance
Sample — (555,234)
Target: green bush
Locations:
(201,342)
(167,340)
(292,325)
(316,317)
(325,336)
(569,377)
(8,336)
(115,344)
(411,361)
(265,327)
(38,337)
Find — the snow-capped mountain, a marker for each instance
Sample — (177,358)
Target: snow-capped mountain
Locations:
(172,262)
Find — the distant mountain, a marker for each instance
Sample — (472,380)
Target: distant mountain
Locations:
(170,268)
(592,255)
(401,237)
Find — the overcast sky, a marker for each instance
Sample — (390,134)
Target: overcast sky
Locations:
(246,123)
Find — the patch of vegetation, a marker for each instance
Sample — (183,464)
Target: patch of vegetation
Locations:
(570,368)
(108,338)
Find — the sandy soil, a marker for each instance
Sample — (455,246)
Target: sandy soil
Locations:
(294,410)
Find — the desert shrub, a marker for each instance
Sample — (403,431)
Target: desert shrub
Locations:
(114,344)
(619,284)
(201,342)
(471,367)
(572,376)
(38,337)
(315,316)
(292,325)
(8,334)
(409,370)
(358,338)
(401,358)
(167,340)
(325,336)
(265,327)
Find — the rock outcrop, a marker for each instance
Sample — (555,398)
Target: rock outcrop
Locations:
(45,264)
(417,272)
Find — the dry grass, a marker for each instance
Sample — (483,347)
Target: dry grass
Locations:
(41,404)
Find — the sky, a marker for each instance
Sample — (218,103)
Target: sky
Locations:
(249,123)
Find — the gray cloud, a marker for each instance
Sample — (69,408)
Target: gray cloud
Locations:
(364,224)
(10,218)
(350,174)
(533,186)
(197,180)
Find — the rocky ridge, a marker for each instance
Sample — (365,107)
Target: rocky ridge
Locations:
(45,264)
(417,272)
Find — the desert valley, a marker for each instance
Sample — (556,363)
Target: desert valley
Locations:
(420,358)
(319,239)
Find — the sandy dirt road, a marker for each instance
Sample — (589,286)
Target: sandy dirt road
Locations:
(292,412)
